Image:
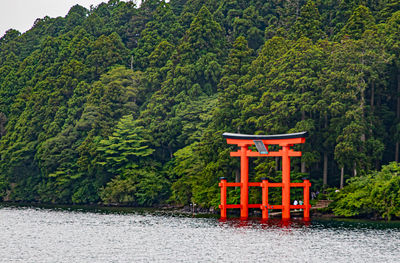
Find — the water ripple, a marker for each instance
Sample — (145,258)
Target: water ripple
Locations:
(40,235)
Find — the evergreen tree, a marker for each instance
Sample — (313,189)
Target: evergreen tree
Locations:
(124,155)
(309,23)
(230,88)
(163,27)
(360,20)
(393,45)
(197,70)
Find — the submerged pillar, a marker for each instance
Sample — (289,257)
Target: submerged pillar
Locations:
(222,206)
(306,196)
(264,207)
(285,183)
(244,180)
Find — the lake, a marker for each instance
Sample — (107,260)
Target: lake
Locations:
(60,235)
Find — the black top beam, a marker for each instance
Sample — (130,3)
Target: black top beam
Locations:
(228,135)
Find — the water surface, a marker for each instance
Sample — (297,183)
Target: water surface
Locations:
(48,235)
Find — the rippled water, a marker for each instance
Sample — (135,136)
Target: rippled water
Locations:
(45,235)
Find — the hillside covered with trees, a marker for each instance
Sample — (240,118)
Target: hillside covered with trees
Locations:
(127,105)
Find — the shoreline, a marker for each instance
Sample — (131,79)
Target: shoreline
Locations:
(174,211)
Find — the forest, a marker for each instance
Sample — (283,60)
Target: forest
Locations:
(126,105)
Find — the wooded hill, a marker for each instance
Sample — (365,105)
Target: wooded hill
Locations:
(127,105)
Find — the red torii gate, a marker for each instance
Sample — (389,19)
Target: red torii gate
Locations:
(262,141)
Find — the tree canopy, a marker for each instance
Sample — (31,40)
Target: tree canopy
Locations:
(125,104)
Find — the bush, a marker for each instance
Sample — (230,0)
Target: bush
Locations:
(376,194)
(136,187)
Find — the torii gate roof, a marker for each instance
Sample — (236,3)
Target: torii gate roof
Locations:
(240,136)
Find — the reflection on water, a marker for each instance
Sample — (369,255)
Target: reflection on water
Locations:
(39,235)
(270,223)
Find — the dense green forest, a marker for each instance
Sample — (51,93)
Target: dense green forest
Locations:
(126,105)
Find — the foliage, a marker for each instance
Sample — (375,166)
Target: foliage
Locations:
(140,187)
(124,148)
(377,193)
(125,156)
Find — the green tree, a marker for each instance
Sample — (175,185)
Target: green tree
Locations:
(250,25)
(230,88)
(124,148)
(124,155)
(309,23)
(393,45)
(163,27)
(106,52)
(360,20)
(190,80)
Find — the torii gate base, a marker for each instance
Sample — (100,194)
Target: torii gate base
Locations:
(283,140)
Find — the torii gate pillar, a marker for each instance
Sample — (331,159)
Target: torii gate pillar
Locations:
(244,180)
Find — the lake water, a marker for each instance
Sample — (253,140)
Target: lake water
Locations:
(51,235)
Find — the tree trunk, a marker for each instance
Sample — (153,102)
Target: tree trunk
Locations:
(362,137)
(325,171)
(398,94)
(237,177)
(372,96)
(297,9)
(303,117)
(330,23)
(354,169)
(341,177)
(362,105)
(396,157)
(303,167)
(171,154)
(3,122)
(325,175)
